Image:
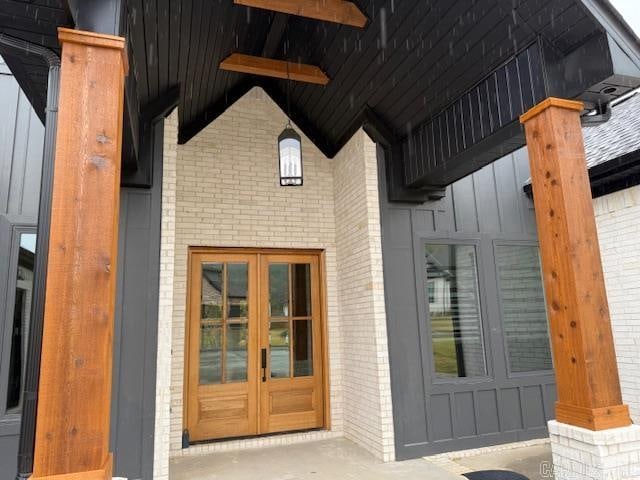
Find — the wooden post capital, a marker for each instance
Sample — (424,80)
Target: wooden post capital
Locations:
(98,40)
(548,103)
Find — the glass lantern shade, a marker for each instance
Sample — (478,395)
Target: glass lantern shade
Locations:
(290,154)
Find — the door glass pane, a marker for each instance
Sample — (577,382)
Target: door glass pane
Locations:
(302,349)
(236,353)
(301,289)
(454,311)
(212,287)
(21,318)
(237,287)
(210,352)
(279,348)
(524,316)
(279,290)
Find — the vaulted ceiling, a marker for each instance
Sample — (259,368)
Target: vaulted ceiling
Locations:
(413,57)
(409,64)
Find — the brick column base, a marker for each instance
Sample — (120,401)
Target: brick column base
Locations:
(581,454)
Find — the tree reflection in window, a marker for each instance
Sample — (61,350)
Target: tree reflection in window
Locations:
(454,311)
(21,318)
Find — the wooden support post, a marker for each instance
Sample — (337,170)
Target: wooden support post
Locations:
(585,362)
(72,426)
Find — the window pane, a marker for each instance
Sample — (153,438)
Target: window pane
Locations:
(302,348)
(210,352)
(301,289)
(454,309)
(212,286)
(236,353)
(524,315)
(237,286)
(279,348)
(279,290)
(21,318)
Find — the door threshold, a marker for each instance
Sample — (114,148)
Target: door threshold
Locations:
(256,441)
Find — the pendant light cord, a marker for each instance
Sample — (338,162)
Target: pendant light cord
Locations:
(288,76)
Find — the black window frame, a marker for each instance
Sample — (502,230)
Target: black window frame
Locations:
(425,314)
(11,230)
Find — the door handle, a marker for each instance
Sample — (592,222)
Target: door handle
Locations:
(263,364)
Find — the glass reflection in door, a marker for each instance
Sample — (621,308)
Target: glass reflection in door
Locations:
(290,322)
(224,323)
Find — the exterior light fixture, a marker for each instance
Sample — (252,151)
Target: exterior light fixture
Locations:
(290,153)
(290,144)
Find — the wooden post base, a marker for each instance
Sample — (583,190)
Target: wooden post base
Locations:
(104,473)
(602,418)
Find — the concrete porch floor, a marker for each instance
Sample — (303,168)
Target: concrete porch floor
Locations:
(321,460)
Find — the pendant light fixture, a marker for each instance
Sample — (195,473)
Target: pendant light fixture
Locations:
(290,149)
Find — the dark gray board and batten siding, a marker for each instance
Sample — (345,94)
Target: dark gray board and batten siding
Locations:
(135,336)
(136,320)
(485,209)
(21,147)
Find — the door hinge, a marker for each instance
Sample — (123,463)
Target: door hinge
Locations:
(263,364)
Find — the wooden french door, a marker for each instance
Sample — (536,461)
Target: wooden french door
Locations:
(254,346)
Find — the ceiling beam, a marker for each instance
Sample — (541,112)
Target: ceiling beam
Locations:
(337,11)
(268,67)
(275,34)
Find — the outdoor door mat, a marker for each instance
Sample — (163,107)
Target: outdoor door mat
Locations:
(495,475)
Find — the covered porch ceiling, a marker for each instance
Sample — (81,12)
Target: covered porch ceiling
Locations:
(440,82)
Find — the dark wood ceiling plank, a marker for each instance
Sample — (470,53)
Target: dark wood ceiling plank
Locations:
(420,77)
(354,61)
(236,37)
(480,60)
(417,23)
(33,11)
(46,40)
(334,47)
(175,22)
(164,44)
(325,42)
(442,91)
(203,61)
(539,13)
(216,54)
(441,31)
(275,35)
(337,11)
(195,46)
(151,39)
(270,67)
(574,35)
(183,55)
(138,43)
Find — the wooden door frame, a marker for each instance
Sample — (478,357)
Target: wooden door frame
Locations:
(324,340)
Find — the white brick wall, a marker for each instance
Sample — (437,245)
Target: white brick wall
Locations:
(581,454)
(366,384)
(165,302)
(618,221)
(225,191)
